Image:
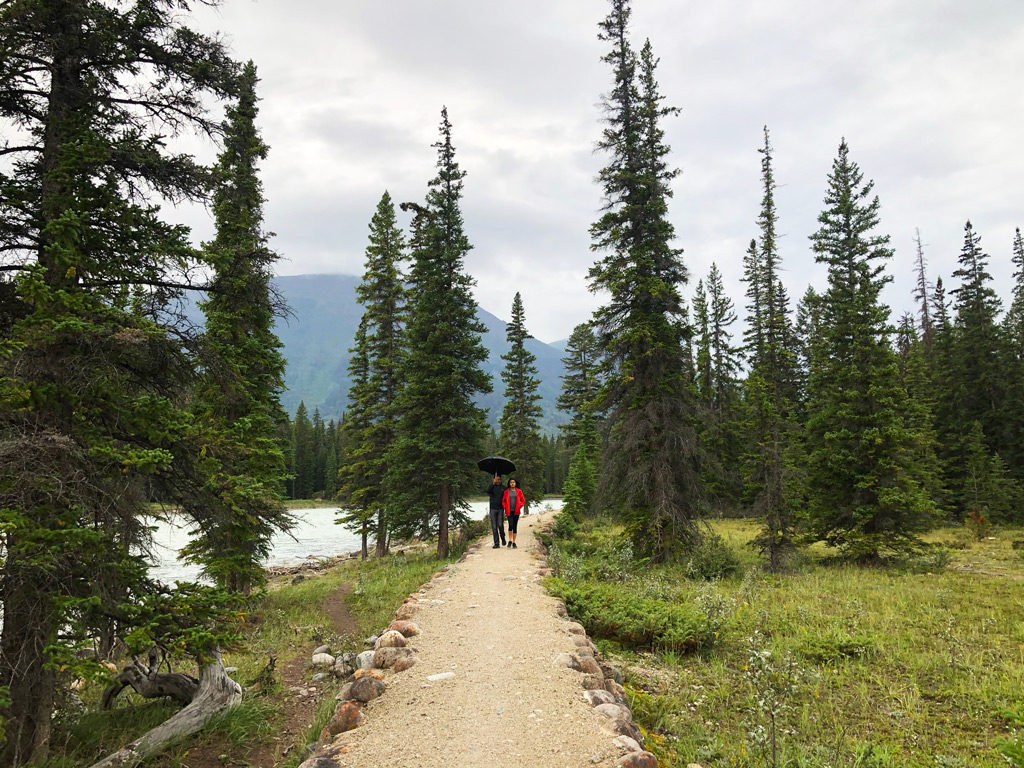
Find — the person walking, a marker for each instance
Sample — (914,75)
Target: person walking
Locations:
(495,491)
(513,501)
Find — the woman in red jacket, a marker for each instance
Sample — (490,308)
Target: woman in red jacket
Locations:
(513,501)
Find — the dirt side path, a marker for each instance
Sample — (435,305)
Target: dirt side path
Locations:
(490,623)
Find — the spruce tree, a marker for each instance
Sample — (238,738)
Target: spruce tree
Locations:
(303,453)
(651,467)
(723,434)
(581,380)
(432,463)
(92,387)
(237,399)
(520,433)
(978,381)
(383,298)
(921,291)
(356,489)
(770,383)
(1013,333)
(865,493)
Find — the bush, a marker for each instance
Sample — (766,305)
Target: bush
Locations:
(711,558)
(613,612)
(837,646)
(565,526)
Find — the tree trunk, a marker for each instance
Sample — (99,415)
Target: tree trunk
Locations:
(442,525)
(150,683)
(382,534)
(27,630)
(217,693)
(364,553)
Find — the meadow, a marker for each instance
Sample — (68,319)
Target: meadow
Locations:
(915,664)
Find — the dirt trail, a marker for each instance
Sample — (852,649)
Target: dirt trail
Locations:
(490,623)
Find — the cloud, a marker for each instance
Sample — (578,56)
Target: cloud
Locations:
(926,92)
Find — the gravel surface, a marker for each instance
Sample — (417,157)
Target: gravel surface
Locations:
(490,624)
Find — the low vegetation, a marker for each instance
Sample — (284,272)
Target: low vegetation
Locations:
(917,665)
(288,621)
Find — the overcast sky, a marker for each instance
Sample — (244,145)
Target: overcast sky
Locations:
(928,94)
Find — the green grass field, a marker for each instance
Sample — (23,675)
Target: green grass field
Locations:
(917,666)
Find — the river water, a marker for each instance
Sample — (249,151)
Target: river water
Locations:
(315,534)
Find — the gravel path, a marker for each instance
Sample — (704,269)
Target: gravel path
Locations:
(490,623)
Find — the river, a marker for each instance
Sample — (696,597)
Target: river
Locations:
(315,534)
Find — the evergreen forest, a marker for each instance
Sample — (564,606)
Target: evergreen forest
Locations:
(820,420)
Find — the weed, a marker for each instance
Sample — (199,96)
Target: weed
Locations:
(711,559)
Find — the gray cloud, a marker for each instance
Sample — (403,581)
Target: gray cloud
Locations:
(926,92)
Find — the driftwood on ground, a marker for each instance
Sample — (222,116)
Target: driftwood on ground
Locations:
(150,683)
(216,693)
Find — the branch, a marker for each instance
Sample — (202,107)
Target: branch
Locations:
(151,284)
(28,148)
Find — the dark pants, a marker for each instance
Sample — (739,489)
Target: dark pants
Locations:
(513,523)
(498,524)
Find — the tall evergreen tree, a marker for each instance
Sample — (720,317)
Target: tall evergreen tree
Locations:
(769,382)
(977,378)
(303,453)
(431,464)
(383,298)
(357,491)
(651,467)
(520,433)
(921,291)
(865,492)
(581,380)
(237,400)
(1013,333)
(90,384)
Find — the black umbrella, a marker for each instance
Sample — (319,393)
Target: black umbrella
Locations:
(496,465)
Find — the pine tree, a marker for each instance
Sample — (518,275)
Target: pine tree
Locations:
(651,466)
(921,294)
(237,400)
(302,451)
(581,380)
(581,483)
(978,381)
(520,434)
(383,298)
(1013,365)
(91,385)
(356,491)
(717,363)
(770,383)
(432,463)
(865,496)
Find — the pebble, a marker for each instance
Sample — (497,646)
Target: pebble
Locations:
(391,639)
(614,711)
(626,744)
(368,672)
(365,659)
(441,676)
(347,715)
(369,688)
(407,628)
(370,641)
(324,659)
(384,658)
(596,697)
(575,628)
(567,660)
(638,760)
(405,663)
(317,677)
(322,649)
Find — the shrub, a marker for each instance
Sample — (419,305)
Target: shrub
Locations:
(711,558)
(565,526)
(614,612)
(837,646)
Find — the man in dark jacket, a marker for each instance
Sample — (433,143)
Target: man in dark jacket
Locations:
(494,491)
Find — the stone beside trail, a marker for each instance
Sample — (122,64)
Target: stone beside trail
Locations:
(496,681)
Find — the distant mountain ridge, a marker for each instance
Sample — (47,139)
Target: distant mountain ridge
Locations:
(321,327)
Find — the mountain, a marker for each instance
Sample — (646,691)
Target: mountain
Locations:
(321,327)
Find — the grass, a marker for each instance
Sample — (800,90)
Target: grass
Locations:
(286,621)
(917,666)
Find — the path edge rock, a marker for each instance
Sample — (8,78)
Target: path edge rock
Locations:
(352,698)
(601,682)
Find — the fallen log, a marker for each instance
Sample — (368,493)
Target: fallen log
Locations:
(150,683)
(216,693)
